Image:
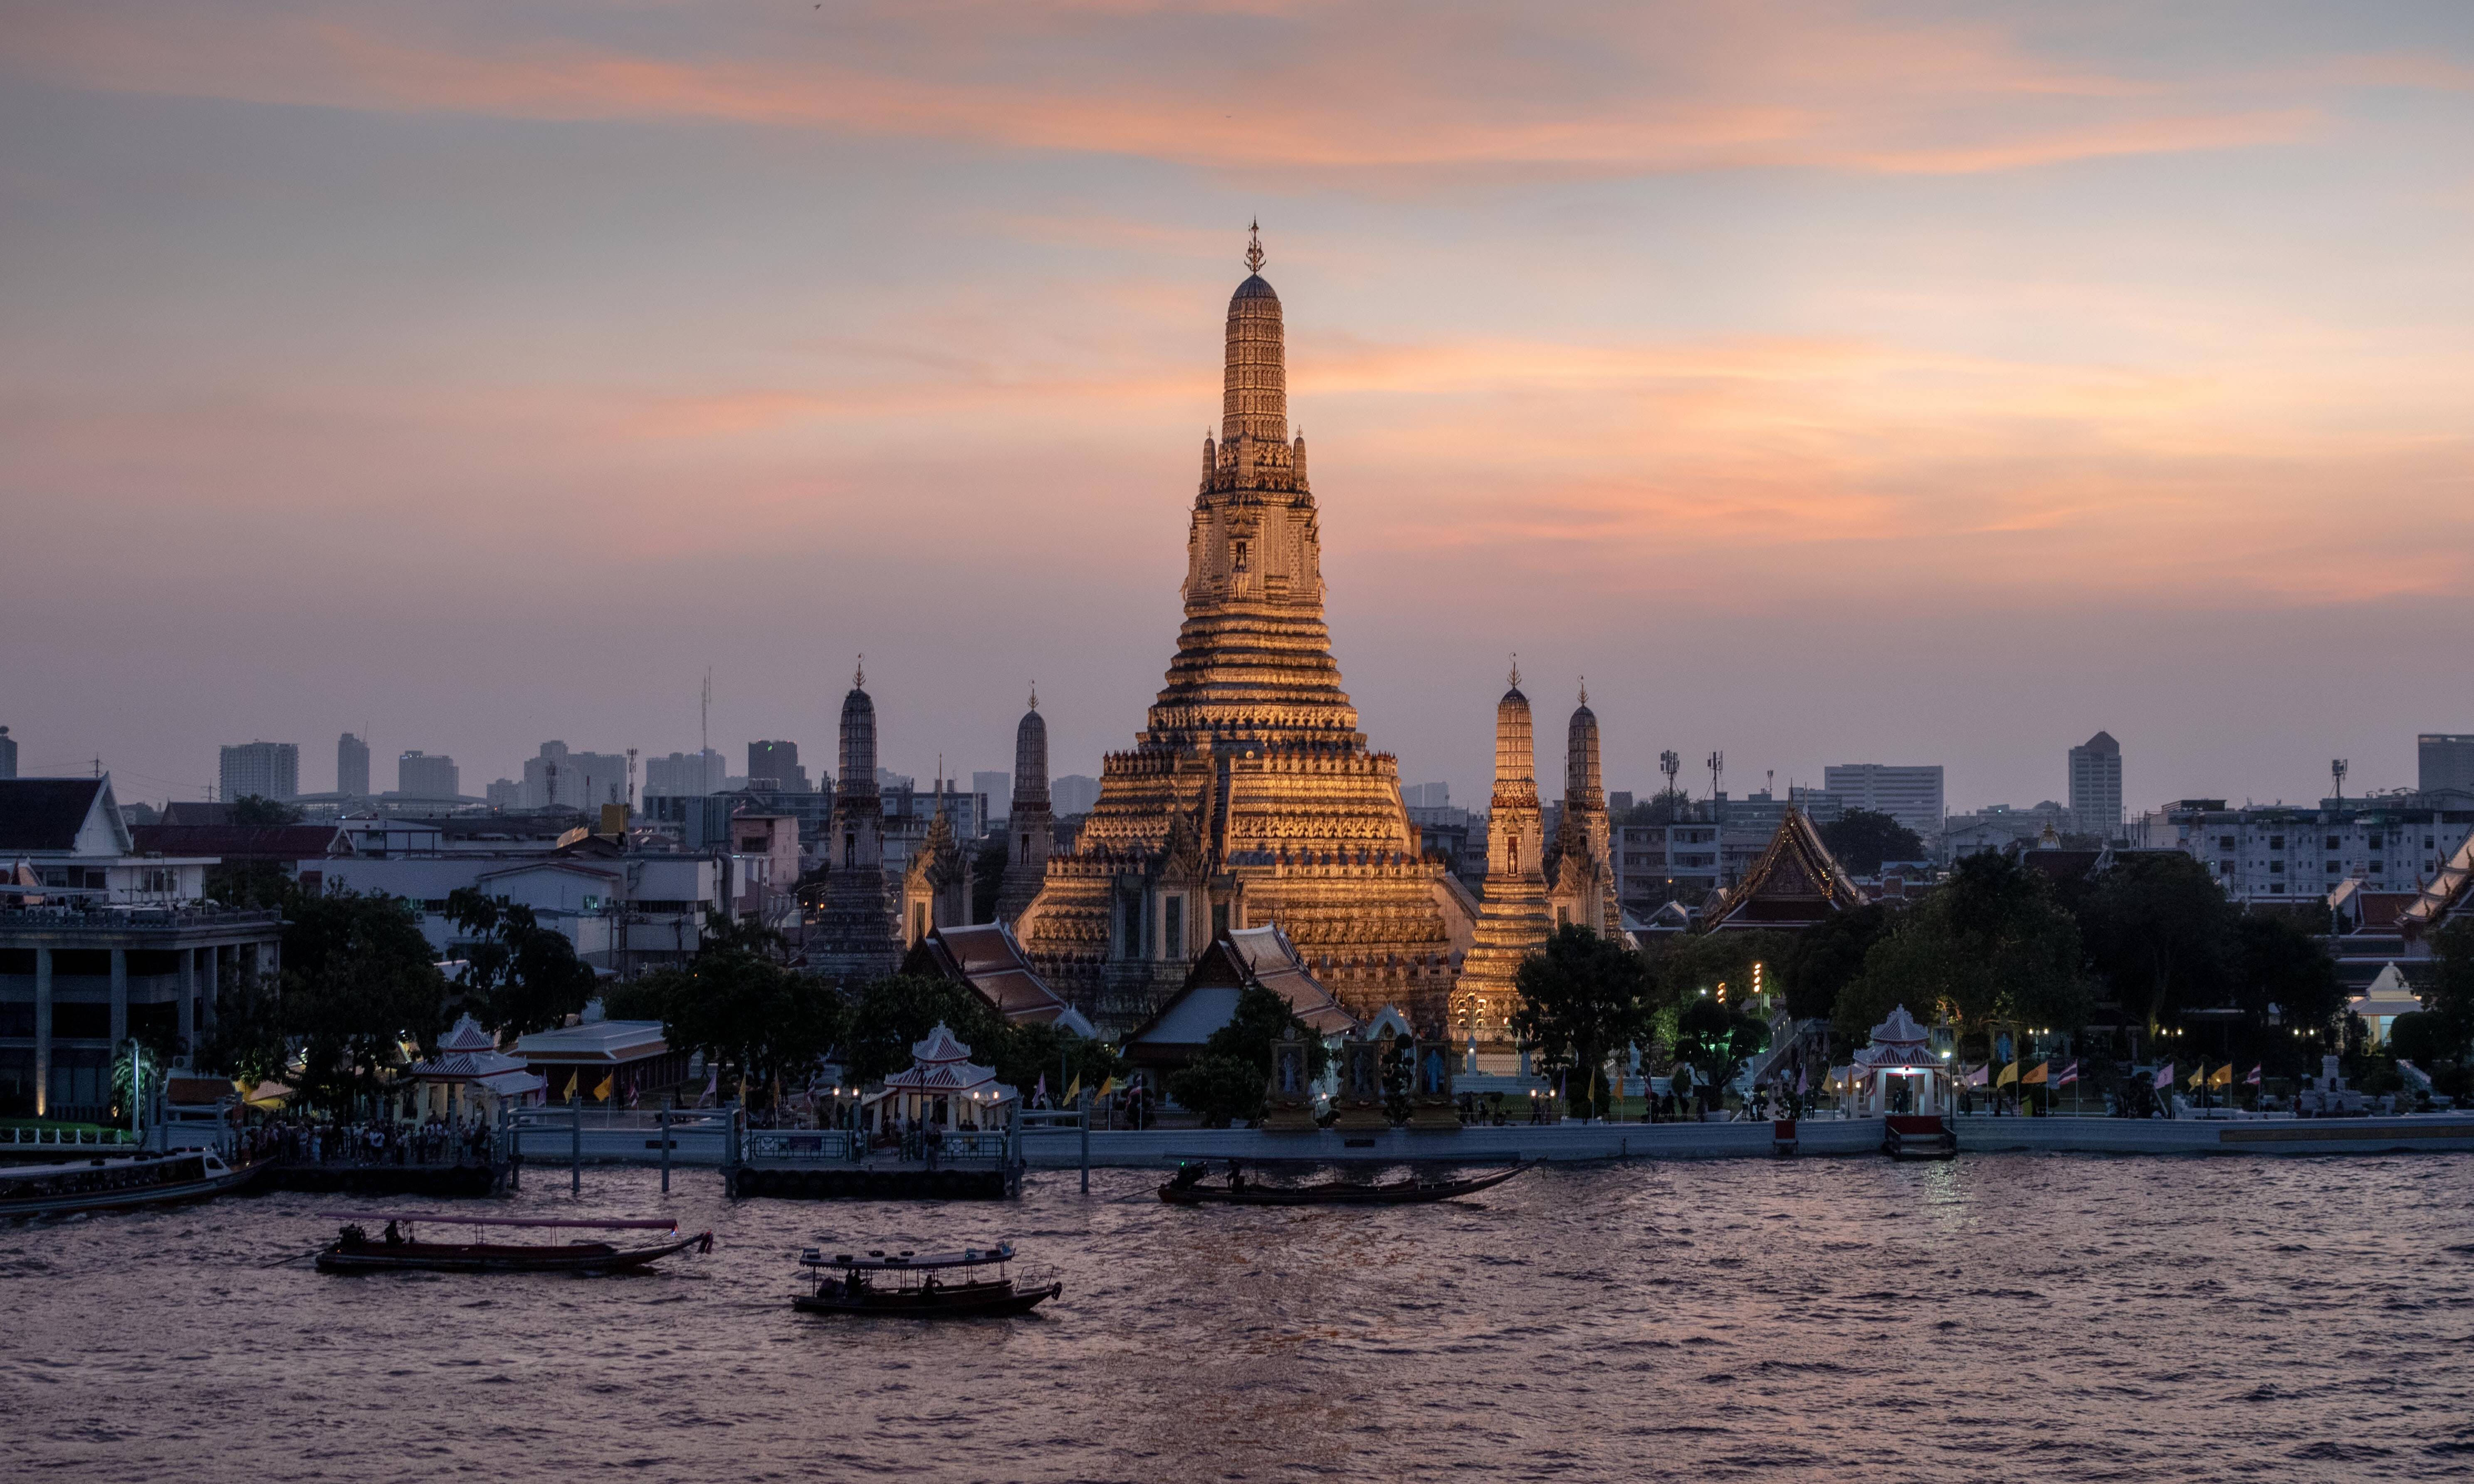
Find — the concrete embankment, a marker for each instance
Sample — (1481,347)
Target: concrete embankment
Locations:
(1815,1137)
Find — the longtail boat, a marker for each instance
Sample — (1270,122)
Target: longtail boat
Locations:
(398,1249)
(1187,1187)
(883,1284)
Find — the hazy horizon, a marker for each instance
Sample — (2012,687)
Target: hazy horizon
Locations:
(1903,383)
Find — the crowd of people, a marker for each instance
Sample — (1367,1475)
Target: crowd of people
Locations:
(304,1140)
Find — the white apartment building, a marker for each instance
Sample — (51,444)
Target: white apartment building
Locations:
(422,776)
(1911,793)
(685,774)
(2280,853)
(268,769)
(2096,785)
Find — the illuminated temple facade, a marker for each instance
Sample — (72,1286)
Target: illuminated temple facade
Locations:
(1249,797)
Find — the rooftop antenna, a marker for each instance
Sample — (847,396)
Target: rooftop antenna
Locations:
(704,715)
(1770,785)
(1670,764)
(2337,769)
(1718,770)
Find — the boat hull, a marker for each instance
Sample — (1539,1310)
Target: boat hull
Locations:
(959,1302)
(1333,1193)
(586,1257)
(204,1188)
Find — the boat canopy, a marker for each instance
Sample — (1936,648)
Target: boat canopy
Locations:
(967,1258)
(622,1223)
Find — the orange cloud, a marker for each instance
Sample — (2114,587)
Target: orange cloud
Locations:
(1372,87)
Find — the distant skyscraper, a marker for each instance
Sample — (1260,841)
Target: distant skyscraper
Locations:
(2096,785)
(8,754)
(1909,794)
(2447,761)
(351,766)
(419,775)
(1426,795)
(560,779)
(1075,793)
(268,769)
(778,761)
(686,774)
(999,789)
(505,793)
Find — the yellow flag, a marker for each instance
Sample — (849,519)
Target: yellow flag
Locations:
(570,1094)
(1108,1087)
(2010,1074)
(2036,1077)
(2198,1074)
(2222,1077)
(1073,1090)
(601,1092)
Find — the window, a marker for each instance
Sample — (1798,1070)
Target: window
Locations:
(751,844)
(2276,842)
(2334,844)
(2276,868)
(1026,848)
(918,921)
(435,904)
(2226,866)
(2375,867)
(850,850)
(2226,844)
(1239,563)
(1219,919)
(1172,927)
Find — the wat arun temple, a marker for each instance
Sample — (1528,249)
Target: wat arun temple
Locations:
(1250,796)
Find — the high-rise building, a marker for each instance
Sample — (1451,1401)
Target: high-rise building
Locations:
(351,766)
(422,776)
(270,770)
(778,761)
(561,779)
(1910,794)
(2096,785)
(505,793)
(1250,794)
(8,754)
(998,790)
(2447,759)
(1075,793)
(686,774)
(1426,795)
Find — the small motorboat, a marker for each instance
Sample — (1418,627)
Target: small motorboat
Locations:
(398,1249)
(1187,1187)
(908,1285)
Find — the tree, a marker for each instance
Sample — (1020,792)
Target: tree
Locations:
(764,1022)
(1718,1039)
(2279,963)
(987,878)
(1862,839)
(518,975)
(897,1012)
(2446,985)
(1824,959)
(2161,932)
(1582,996)
(1233,1074)
(358,987)
(1989,946)
(1666,806)
(257,812)
(251,1041)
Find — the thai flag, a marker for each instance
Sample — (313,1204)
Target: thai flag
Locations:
(2253,1079)
(2067,1074)
(2164,1074)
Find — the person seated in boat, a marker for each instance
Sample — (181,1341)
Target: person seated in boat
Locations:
(393,1237)
(1236,1177)
(1189,1174)
(354,1236)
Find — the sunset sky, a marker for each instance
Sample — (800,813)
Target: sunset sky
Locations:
(1828,382)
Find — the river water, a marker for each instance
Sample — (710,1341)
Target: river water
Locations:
(2043,1317)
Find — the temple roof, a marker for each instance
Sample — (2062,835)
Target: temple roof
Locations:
(2450,892)
(988,958)
(1796,882)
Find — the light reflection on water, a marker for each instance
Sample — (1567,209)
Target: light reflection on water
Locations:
(2040,1316)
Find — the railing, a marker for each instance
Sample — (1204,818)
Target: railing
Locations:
(561,1117)
(63,1137)
(804,1145)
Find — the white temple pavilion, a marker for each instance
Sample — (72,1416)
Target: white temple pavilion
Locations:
(1899,1072)
(470,1077)
(943,1087)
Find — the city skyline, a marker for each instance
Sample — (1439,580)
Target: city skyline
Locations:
(1852,390)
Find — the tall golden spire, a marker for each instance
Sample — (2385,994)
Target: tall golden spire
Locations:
(1254,390)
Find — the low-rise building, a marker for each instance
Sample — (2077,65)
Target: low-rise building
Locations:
(2299,853)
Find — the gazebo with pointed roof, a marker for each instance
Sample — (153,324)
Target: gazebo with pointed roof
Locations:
(941,1084)
(470,1077)
(1900,1067)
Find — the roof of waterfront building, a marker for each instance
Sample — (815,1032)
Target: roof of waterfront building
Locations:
(1239,960)
(595,1041)
(1796,882)
(988,958)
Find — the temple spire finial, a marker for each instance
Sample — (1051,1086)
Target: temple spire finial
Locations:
(1254,246)
(1585,690)
(859,677)
(1516,669)
(1035,695)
